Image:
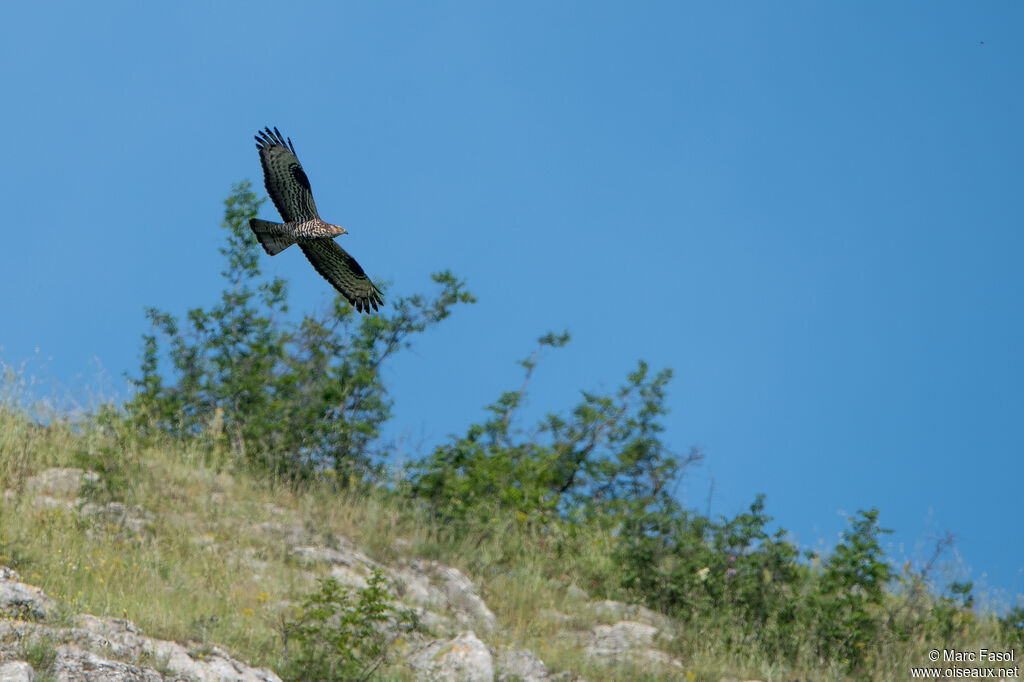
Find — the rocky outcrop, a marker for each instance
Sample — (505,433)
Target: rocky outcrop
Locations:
(627,641)
(346,563)
(18,600)
(133,519)
(519,665)
(126,640)
(104,649)
(16,671)
(618,611)
(62,487)
(439,587)
(59,483)
(74,664)
(441,595)
(462,659)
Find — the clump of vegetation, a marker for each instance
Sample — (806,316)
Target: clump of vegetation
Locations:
(40,652)
(850,595)
(601,465)
(290,397)
(338,635)
(1013,625)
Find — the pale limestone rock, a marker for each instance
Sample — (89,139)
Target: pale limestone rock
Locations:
(124,639)
(347,577)
(462,595)
(274,531)
(342,556)
(433,622)
(462,659)
(74,664)
(60,482)
(617,611)
(520,665)
(16,671)
(349,566)
(216,665)
(627,640)
(457,592)
(414,586)
(20,600)
(130,517)
(612,639)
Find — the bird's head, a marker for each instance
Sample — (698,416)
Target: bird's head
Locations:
(338,230)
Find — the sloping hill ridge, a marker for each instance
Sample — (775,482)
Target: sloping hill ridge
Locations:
(123,558)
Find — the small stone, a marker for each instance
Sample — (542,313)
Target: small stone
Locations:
(16,671)
(520,665)
(462,659)
(61,482)
(20,600)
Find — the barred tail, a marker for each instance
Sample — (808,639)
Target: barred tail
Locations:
(274,237)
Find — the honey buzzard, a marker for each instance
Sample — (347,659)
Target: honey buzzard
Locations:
(289,189)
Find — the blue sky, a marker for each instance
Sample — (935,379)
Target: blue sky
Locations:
(810,211)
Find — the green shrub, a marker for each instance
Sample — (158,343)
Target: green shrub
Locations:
(727,573)
(850,593)
(603,463)
(293,398)
(337,635)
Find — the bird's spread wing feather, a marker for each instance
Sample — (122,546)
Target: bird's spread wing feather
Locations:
(284,178)
(343,272)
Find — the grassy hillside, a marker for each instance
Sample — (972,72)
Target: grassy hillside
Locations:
(211,563)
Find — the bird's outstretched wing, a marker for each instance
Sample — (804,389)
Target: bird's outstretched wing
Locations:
(343,272)
(284,178)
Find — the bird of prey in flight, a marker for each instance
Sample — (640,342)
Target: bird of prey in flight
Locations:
(289,189)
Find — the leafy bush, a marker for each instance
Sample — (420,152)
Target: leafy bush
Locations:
(292,398)
(850,593)
(603,463)
(336,635)
(730,572)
